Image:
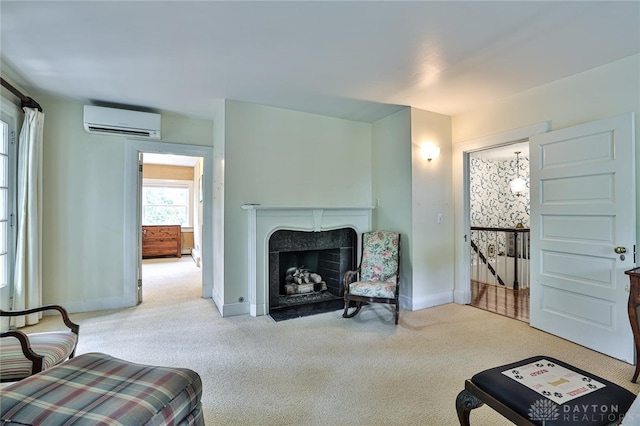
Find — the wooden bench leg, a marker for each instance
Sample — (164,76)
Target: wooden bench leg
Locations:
(465,402)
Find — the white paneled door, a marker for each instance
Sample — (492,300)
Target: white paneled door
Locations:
(583,233)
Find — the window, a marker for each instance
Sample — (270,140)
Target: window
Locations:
(4,198)
(166,202)
(8,163)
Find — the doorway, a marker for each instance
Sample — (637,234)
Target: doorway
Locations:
(171,218)
(462,225)
(499,216)
(581,227)
(132,256)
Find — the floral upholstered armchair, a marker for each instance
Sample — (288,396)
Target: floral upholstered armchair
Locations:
(377,280)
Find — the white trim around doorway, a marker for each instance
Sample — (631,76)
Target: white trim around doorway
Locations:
(132,148)
(462,226)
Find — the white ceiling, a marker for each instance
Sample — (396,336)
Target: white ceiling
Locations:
(357,60)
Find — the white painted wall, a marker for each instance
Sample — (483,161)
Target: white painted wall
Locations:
(598,93)
(391,185)
(83,230)
(412,191)
(431,194)
(277,156)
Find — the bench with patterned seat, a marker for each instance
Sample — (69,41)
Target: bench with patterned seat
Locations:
(22,355)
(545,391)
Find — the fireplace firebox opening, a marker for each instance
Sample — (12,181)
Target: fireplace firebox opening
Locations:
(309,267)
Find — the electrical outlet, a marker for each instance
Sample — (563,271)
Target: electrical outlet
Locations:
(439,217)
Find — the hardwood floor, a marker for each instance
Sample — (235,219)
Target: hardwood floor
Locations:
(501,300)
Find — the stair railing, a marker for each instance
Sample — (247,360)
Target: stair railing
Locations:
(500,254)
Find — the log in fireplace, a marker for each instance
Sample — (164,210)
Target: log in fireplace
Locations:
(325,254)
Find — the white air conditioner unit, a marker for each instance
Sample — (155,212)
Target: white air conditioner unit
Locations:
(113,121)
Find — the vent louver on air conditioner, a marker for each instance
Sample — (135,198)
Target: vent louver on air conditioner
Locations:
(113,121)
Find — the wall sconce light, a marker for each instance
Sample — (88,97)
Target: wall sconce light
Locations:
(429,151)
(518,185)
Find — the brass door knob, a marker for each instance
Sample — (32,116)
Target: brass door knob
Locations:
(620,250)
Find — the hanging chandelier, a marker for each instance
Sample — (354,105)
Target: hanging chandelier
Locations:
(518,185)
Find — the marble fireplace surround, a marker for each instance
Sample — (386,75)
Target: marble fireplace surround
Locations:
(264,220)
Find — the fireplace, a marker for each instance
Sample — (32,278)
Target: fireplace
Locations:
(265,220)
(308,267)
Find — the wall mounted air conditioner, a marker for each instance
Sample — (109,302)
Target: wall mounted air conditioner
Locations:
(113,121)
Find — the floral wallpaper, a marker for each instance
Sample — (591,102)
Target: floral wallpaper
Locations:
(491,200)
(493,205)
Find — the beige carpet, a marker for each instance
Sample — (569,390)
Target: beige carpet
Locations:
(322,369)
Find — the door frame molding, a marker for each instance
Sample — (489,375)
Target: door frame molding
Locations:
(130,249)
(462,222)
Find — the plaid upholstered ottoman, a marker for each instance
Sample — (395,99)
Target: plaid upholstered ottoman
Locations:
(97,389)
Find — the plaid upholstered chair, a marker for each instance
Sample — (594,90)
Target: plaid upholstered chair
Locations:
(377,280)
(22,355)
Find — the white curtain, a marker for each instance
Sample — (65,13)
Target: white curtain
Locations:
(27,284)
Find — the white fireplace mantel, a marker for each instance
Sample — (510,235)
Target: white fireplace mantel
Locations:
(264,220)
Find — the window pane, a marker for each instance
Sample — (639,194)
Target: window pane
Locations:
(4,166)
(165,205)
(3,237)
(165,195)
(4,210)
(7,190)
(4,146)
(4,270)
(162,215)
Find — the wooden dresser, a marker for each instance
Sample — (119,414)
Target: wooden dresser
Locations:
(161,240)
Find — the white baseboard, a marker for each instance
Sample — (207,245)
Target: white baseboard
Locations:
(432,300)
(94,305)
(218,302)
(229,309)
(195,254)
(462,297)
(234,309)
